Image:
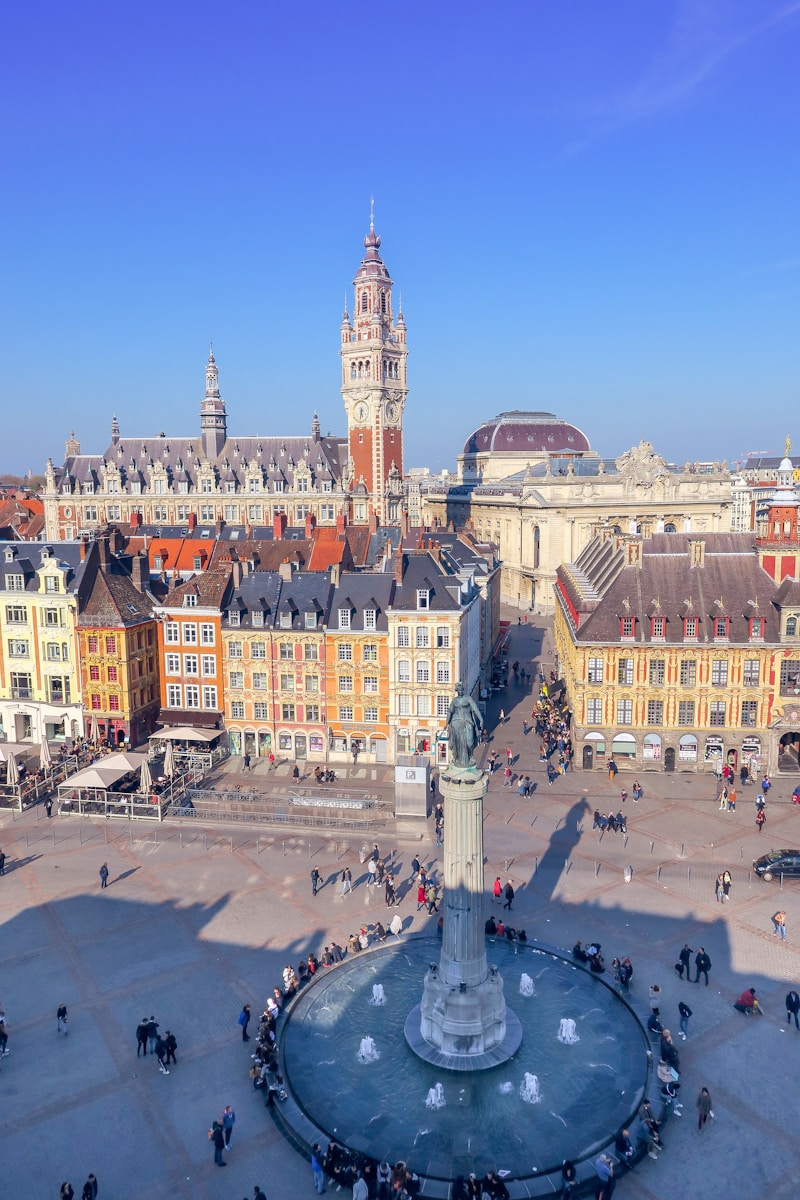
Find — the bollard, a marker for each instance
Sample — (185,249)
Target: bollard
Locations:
(658,875)
(106,835)
(625,843)
(749,878)
(688,874)
(781,887)
(231,845)
(627,874)
(596,869)
(652,847)
(180,838)
(205,840)
(683,850)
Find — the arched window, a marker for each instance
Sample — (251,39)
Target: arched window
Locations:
(791,626)
(383,302)
(669,528)
(363,301)
(353,370)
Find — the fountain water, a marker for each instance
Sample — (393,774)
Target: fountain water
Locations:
(378,997)
(529,1089)
(435,1097)
(526,987)
(367,1053)
(566,1032)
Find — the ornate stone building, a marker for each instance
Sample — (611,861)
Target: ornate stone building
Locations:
(213,476)
(546,511)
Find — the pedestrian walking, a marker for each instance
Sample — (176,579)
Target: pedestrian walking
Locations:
(347,881)
(61,1019)
(161,1054)
(372,871)
(228,1119)
(415,865)
(421,893)
(508,892)
(501,720)
(244,1020)
(612,769)
(315,880)
(247,762)
(704,1110)
(793,1008)
(48,807)
(389,892)
(316,1168)
(439,831)
(218,1138)
(433,788)
(719,891)
(104,875)
(258,1194)
(732,800)
(497,890)
(684,962)
(723,799)
(66,1192)
(171,1043)
(761,818)
(509,756)
(779,924)
(141,1037)
(90,1188)
(152,1033)
(726,885)
(702,965)
(430,896)
(684,1013)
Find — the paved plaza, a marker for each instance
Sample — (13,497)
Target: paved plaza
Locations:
(197,921)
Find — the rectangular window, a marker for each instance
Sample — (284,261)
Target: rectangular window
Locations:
(404,704)
(686,713)
(95,702)
(345,652)
(423,672)
(344,618)
(192,695)
(442,706)
(690,628)
(234,617)
(311,620)
(287,683)
(232,514)
(423,637)
(113,703)
(345,683)
(190,634)
(749,713)
(286,651)
(16,583)
(369,618)
(625,671)
(751,672)
(52,583)
(370,714)
(112,674)
(443,672)
(261,711)
(443,637)
(326,511)
(234,649)
(422,597)
(716,712)
(369,652)
(254,511)
(626,627)
(237,710)
(790,675)
(312,712)
(52,616)
(260,681)
(16,614)
(423,706)
(237,679)
(53,652)
(757,627)
(594,711)
(403,670)
(624,712)
(207,634)
(403,636)
(655,712)
(257,617)
(209,696)
(171,634)
(370,683)
(17,648)
(594,672)
(312,683)
(173,662)
(208,664)
(658,627)
(657,671)
(719,672)
(94,673)
(688,672)
(311,652)
(346,712)
(721,627)
(191,664)
(174,695)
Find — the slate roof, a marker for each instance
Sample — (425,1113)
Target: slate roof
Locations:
(26,558)
(421,571)
(534,432)
(358,592)
(113,599)
(209,587)
(602,588)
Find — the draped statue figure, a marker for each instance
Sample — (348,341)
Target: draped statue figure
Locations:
(464,725)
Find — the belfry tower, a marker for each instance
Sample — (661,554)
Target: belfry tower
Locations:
(374,387)
(213,419)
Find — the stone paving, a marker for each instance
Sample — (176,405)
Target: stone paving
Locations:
(195,922)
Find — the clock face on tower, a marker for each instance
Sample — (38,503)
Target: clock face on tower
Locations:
(360,412)
(392,411)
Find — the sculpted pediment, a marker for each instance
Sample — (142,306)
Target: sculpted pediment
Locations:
(642,465)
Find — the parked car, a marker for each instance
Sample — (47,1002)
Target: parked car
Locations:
(777,862)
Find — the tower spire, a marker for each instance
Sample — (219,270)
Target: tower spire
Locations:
(372,214)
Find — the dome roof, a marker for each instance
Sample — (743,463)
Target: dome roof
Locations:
(529,433)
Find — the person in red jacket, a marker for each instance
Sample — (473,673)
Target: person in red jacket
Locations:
(748,1002)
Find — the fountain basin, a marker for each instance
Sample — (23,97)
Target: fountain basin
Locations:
(588,1090)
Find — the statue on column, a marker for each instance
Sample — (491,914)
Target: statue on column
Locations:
(464,725)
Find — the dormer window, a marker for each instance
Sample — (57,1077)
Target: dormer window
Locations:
(190,600)
(756,627)
(286,619)
(690,628)
(658,627)
(627,626)
(344,618)
(369,618)
(258,618)
(423,599)
(791,626)
(721,626)
(311,620)
(234,617)
(158,563)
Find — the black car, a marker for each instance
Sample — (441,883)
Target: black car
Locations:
(777,862)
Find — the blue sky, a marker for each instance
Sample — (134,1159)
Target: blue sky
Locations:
(588,208)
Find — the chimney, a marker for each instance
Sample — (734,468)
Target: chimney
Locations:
(83,549)
(192,522)
(336,572)
(437,551)
(404,525)
(697,550)
(278,525)
(140,572)
(220,526)
(136,520)
(311,522)
(237,573)
(398,565)
(285,569)
(341,523)
(373,521)
(105,551)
